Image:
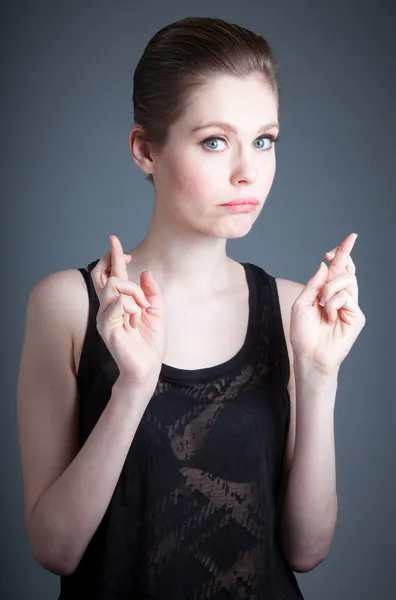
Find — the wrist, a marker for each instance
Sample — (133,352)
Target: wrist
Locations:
(316,375)
(131,392)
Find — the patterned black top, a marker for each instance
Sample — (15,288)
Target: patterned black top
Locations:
(194,512)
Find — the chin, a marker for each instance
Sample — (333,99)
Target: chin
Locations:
(233,230)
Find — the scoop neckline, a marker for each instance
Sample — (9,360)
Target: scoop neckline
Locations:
(205,373)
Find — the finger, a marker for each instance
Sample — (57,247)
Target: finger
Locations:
(108,272)
(351,267)
(348,309)
(118,264)
(132,313)
(100,271)
(339,262)
(334,305)
(116,287)
(347,281)
(152,292)
(310,292)
(342,252)
(123,311)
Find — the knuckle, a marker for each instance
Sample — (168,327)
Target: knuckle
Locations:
(351,269)
(130,306)
(109,297)
(326,292)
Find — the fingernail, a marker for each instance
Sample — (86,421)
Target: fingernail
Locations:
(146,304)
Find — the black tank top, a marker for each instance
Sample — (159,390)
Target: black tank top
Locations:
(194,513)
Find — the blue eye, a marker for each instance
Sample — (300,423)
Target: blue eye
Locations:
(212,140)
(215,138)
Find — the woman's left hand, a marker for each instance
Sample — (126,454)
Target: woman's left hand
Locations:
(325,318)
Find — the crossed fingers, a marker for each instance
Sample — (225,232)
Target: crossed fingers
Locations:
(341,273)
(340,257)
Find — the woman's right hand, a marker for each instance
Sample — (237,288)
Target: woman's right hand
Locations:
(135,335)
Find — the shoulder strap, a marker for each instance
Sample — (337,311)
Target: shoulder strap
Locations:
(271,318)
(278,331)
(90,335)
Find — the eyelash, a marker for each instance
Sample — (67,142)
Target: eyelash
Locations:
(273,139)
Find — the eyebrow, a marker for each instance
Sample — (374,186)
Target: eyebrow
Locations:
(231,127)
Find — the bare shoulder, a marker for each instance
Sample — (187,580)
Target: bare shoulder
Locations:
(63,284)
(65,292)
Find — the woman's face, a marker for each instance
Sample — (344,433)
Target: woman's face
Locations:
(194,175)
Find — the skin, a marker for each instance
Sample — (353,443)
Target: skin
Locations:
(191,181)
(190,184)
(321,320)
(326,318)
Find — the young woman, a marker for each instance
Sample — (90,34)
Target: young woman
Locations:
(176,406)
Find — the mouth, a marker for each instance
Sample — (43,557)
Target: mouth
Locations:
(249,202)
(243,208)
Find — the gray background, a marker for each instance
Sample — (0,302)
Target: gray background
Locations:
(68,181)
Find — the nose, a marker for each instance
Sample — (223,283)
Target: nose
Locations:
(244,170)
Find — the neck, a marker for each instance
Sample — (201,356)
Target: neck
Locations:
(183,261)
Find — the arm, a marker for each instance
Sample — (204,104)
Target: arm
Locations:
(309,507)
(66,491)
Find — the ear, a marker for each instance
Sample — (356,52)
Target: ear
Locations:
(141,151)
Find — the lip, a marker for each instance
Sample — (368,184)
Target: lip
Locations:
(242,201)
(244,208)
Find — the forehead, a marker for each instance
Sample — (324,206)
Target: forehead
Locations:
(247,102)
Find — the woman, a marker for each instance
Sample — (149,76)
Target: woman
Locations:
(176,406)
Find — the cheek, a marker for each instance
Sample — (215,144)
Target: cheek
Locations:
(270,175)
(189,178)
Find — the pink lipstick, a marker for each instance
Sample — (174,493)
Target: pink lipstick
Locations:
(241,204)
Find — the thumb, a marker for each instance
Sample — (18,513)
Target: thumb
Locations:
(314,286)
(152,291)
